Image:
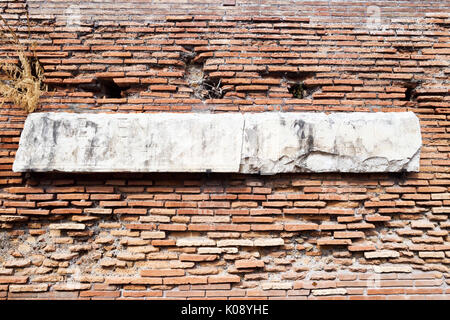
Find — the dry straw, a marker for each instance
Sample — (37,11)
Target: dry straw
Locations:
(21,83)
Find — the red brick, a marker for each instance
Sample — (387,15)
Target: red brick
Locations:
(198,257)
(385,291)
(102,294)
(223,279)
(324,216)
(301,227)
(249,264)
(24,190)
(139,294)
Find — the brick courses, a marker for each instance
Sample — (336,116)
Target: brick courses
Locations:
(198,236)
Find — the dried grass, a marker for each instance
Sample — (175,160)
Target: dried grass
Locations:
(21,83)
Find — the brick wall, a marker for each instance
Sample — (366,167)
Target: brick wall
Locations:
(300,236)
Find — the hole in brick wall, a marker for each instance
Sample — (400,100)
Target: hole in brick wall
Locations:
(287,75)
(214,88)
(188,54)
(310,90)
(296,82)
(410,93)
(202,87)
(33,64)
(399,177)
(297,90)
(194,76)
(109,89)
(405,49)
(104,88)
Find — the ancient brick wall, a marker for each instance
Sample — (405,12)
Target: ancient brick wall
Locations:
(300,236)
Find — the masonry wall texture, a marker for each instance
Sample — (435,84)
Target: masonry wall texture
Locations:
(231,236)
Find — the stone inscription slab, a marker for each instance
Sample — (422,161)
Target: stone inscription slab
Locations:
(264,143)
(130,143)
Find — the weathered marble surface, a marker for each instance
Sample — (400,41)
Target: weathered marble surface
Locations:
(339,142)
(265,143)
(130,143)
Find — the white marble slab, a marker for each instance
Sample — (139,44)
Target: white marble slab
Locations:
(339,142)
(130,143)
